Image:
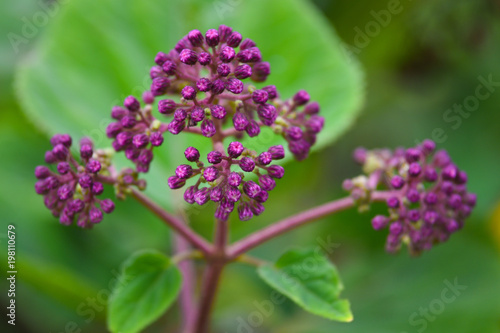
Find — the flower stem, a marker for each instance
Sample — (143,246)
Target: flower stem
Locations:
(174,222)
(289,223)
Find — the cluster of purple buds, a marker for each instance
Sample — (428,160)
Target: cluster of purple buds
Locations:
(72,191)
(230,188)
(427,198)
(208,71)
(136,131)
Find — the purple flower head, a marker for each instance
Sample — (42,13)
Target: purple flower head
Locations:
(235,149)
(427,195)
(188,57)
(132,104)
(192,154)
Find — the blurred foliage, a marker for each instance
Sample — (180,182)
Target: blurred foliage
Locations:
(423,62)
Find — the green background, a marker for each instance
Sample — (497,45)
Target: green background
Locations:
(425,60)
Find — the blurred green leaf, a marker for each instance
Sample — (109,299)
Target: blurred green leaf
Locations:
(310,280)
(149,284)
(83,67)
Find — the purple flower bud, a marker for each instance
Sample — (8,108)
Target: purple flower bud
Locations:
(247,43)
(397,182)
(169,67)
(396,228)
(224,32)
(412,155)
(312,108)
(442,159)
(55,140)
(218,111)
(300,149)
(85,181)
(243,71)
(450,172)
(107,206)
(257,208)
(277,152)
(235,149)
(267,112)
(265,158)
(175,126)
(95,215)
(414,215)
(132,104)
(234,179)
(261,197)
(430,217)
(452,226)
(294,133)
(212,37)
(267,183)
(204,58)
(379,222)
(301,97)
(455,201)
(461,178)
(86,151)
(216,194)
(471,199)
(156,139)
(148,97)
(188,93)
(447,187)
(271,91)
(197,114)
(227,54)
(188,57)
(42,172)
(189,194)
(247,164)
(140,140)
(414,170)
(60,151)
(192,154)
(93,166)
(145,157)
(97,188)
(431,198)
(166,106)
(63,168)
(428,146)
(393,202)
(184,171)
(211,174)
(201,197)
(180,115)
(66,140)
(124,138)
(413,195)
(234,39)
(218,86)
(65,192)
(75,206)
(233,194)
(214,157)
(159,86)
(249,55)
(195,37)
(203,84)
(253,128)
(175,182)
(155,71)
(223,70)
(260,96)
(41,187)
(276,171)
(208,128)
(234,85)
(117,112)
(261,71)
(132,153)
(315,124)
(160,58)
(244,211)
(430,174)
(128,121)
(240,121)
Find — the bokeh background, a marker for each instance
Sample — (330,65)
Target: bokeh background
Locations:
(418,64)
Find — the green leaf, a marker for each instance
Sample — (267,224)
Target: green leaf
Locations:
(96,52)
(309,279)
(149,284)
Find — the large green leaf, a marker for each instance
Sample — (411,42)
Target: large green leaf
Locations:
(97,52)
(149,284)
(310,280)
